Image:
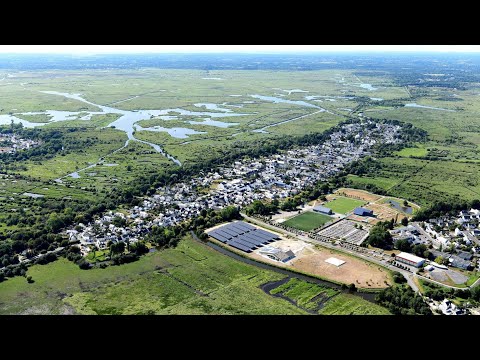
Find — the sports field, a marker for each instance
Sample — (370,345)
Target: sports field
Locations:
(343,205)
(308,221)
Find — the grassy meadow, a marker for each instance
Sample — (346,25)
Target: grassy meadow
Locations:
(190,279)
(308,221)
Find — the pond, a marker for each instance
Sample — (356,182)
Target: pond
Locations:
(213,107)
(176,132)
(368,87)
(406,209)
(294,91)
(210,122)
(277,100)
(427,107)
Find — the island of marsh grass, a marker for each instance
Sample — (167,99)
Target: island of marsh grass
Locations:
(35,118)
(96,121)
(346,304)
(326,301)
(305,294)
(308,221)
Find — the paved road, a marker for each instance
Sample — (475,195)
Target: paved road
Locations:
(408,275)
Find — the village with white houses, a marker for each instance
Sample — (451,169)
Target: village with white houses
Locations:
(273,177)
(11,143)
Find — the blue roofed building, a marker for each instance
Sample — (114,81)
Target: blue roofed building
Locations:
(363,212)
(323,210)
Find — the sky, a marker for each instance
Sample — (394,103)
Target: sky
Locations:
(103,49)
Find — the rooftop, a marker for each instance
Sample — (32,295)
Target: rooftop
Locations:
(410,257)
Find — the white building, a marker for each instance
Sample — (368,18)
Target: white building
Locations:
(410,259)
(277,254)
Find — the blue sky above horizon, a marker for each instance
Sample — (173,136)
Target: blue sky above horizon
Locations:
(105,49)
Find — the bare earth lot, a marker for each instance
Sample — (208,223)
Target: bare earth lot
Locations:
(311,259)
(358,194)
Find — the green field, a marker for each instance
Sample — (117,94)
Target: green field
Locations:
(190,279)
(343,205)
(306,295)
(346,304)
(326,301)
(356,181)
(425,181)
(99,255)
(407,152)
(308,221)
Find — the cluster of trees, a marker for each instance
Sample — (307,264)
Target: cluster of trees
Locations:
(38,230)
(13,270)
(402,300)
(399,278)
(313,192)
(441,208)
(419,249)
(262,208)
(438,293)
(380,236)
(167,236)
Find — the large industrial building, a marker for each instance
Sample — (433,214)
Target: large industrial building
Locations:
(410,259)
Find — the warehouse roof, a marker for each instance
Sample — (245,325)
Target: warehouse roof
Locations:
(410,257)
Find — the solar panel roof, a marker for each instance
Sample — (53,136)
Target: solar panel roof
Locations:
(244,243)
(240,246)
(220,238)
(266,234)
(253,239)
(244,225)
(261,236)
(223,233)
(230,231)
(238,229)
(246,240)
(242,236)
